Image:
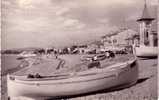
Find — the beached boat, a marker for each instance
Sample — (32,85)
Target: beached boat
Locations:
(65,84)
(146,51)
(26,54)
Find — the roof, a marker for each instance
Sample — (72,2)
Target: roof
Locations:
(145,14)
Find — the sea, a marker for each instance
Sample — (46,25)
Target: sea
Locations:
(8,62)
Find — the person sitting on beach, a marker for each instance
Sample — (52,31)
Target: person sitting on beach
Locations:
(37,75)
(30,76)
(95,58)
(56,56)
(111,54)
(107,54)
(94,64)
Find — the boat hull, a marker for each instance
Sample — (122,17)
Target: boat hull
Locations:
(146,52)
(84,82)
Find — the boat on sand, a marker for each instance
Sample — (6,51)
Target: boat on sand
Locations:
(146,51)
(124,73)
(26,54)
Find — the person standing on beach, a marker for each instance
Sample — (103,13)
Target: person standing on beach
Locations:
(133,48)
(56,56)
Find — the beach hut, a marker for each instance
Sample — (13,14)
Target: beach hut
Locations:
(147,47)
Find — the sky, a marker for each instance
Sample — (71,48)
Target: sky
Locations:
(47,23)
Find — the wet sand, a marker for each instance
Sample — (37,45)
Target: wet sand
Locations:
(144,89)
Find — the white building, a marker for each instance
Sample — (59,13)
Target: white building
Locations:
(124,38)
(147,36)
(120,39)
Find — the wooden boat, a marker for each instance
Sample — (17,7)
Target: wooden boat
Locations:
(94,79)
(26,54)
(146,51)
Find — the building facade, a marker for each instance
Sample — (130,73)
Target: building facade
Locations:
(147,37)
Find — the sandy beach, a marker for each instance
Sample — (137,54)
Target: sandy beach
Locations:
(144,89)
(51,49)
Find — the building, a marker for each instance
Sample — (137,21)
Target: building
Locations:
(147,36)
(122,38)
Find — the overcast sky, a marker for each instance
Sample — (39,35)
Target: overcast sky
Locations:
(44,23)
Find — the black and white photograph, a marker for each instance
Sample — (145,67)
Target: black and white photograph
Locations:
(79,49)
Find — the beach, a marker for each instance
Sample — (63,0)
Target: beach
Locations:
(144,89)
